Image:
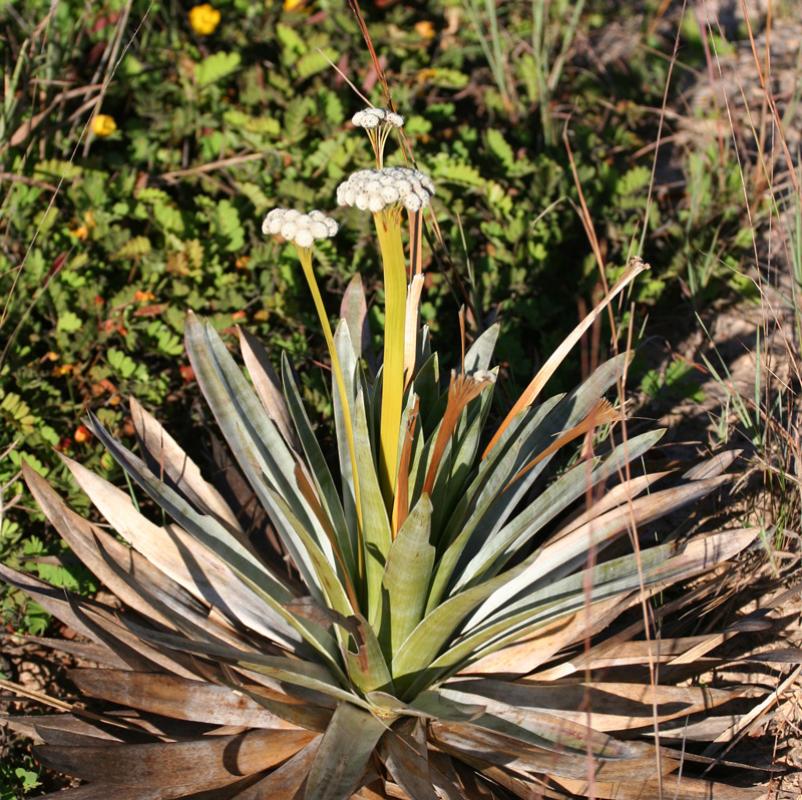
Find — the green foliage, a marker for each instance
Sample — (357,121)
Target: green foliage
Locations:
(678,381)
(18,781)
(215,67)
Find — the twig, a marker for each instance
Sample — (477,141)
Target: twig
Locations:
(212,166)
(10,176)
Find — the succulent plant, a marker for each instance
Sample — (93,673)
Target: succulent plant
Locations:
(437,615)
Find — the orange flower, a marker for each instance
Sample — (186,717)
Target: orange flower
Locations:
(82,434)
(238,315)
(143,297)
(80,233)
(187,373)
(242,262)
(425,29)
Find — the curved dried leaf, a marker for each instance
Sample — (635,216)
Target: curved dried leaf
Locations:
(195,565)
(177,698)
(286,782)
(405,754)
(602,706)
(267,384)
(202,763)
(679,787)
(169,458)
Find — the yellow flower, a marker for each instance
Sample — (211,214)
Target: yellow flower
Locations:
(203,19)
(293,5)
(103,125)
(425,29)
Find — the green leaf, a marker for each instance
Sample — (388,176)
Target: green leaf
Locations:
(444,77)
(500,148)
(375,523)
(216,67)
(318,467)
(69,322)
(252,572)
(291,42)
(134,248)
(408,572)
(314,62)
(254,439)
(227,225)
(343,754)
(480,352)
(366,666)
(663,565)
(506,542)
(348,364)
(121,363)
(486,506)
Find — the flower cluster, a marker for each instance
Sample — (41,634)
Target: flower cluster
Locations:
(300,229)
(370,118)
(376,189)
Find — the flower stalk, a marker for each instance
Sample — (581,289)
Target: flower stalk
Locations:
(388,231)
(305,257)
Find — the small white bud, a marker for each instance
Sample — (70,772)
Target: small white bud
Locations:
(304,238)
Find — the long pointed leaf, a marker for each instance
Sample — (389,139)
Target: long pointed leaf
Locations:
(343,754)
(254,439)
(318,468)
(254,574)
(407,573)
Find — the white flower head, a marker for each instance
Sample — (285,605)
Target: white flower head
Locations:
(300,229)
(371,118)
(377,189)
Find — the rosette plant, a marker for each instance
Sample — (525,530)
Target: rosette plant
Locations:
(437,614)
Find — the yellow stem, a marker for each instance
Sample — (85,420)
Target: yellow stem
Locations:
(305,257)
(388,229)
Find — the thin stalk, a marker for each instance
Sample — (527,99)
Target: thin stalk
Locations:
(388,230)
(305,257)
